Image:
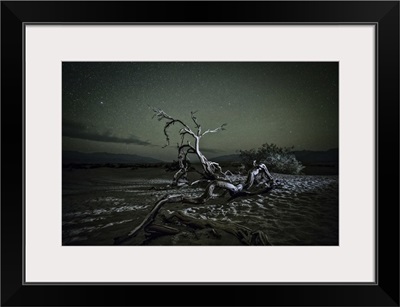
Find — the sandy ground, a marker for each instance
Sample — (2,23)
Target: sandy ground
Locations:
(103,203)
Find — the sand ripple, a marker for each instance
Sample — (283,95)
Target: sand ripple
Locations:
(304,211)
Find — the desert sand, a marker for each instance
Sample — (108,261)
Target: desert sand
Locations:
(101,204)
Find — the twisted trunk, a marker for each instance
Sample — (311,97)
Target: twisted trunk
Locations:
(211,171)
(235,191)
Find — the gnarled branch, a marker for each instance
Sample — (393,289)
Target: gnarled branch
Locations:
(235,191)
(214,130)
(212,170)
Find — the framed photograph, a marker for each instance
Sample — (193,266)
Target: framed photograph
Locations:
(241,147)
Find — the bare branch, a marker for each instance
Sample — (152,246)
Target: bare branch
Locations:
(194,118)
(222,127)
(161,115)
(211,170)
(235,191)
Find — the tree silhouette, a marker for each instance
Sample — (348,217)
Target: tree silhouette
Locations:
(258,181)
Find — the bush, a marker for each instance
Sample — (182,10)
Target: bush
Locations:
(277,159)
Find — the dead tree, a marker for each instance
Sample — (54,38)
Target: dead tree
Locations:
(258,181)
(211,170)
(258,176)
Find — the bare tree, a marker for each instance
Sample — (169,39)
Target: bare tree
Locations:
(211,170)
(258,181)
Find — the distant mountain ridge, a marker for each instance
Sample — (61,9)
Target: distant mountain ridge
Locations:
(304,156)
(103,157)
(226,158)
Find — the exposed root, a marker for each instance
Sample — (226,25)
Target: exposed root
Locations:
(258,176)
(243,233)
(235,191)
(160,229)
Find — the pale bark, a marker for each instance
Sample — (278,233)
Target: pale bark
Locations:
(216,178)
(211,170)
(235,191)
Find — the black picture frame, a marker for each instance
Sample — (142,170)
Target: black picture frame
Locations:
(383,14)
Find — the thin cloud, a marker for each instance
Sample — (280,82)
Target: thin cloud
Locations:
(80,131)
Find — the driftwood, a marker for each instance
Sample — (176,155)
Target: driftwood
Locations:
(258,181)
(259,174)
(243,233)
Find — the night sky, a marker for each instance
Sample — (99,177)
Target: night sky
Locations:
(105,105)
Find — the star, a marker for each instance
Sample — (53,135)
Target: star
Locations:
(261,101)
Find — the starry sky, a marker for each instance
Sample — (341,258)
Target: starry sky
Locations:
(105,105)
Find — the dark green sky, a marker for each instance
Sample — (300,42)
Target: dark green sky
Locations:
(105,105)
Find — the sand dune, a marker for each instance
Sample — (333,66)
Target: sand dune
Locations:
(101,204)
